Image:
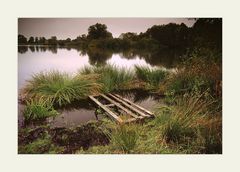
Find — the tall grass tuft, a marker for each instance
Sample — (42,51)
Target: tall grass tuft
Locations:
(190,114)
(38,110)
(86,70)
(124,137)
(151,76)
(113,78)
(60,88)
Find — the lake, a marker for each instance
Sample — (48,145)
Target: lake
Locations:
(35,59)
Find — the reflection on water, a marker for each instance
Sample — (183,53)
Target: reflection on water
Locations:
(34,59)
(83,111)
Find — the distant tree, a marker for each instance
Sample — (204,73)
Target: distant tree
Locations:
(53,40)
(208,32)
(83,37)
(98,31)
(22,40)
(31,40)
(36,40)
(68,40)
(171,35)
(42,40)
(129,35)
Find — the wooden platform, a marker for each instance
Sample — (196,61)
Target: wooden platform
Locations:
(120,109)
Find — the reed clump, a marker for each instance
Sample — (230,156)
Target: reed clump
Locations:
(60,88)
(151,76)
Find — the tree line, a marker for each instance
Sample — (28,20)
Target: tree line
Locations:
(204,32)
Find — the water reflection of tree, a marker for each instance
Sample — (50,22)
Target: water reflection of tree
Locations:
(98,56)
(43,48)
(53,49)
(37,48)
(32,48)
(164,57)
(22,49)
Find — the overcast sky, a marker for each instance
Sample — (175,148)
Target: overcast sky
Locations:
(72,27)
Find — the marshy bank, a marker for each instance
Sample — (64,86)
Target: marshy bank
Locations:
(173,70)
(187,118)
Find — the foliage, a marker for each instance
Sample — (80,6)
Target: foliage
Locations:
(60,88)
(206,32)
(151,76)
(200,71)
(39,146)
(37,110)
(124,137)
(98,31)
(22,40)
(110,77)
(113,78)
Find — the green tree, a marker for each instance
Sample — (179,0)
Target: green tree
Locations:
(207,32)
(36,40)
(31,40)
(22,40)
(53,41)
(171,35)
(42,40)
(129,36)
(98,31)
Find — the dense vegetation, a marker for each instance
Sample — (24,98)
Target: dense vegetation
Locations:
(190,121)
(158,36)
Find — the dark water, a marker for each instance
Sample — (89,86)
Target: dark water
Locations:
(34,59)
(82,112)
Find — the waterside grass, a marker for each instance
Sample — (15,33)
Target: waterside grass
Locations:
(152,77)
(59,88)
(110,77)
(38,110)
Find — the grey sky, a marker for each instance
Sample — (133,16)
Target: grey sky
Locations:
(72,27)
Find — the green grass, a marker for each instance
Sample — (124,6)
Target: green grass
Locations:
(110,77)
(86,70)
(40,146)
(60,88)
(188,126)
(38,110)
(152,76)
(124,137)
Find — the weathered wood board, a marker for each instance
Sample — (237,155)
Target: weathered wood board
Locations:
(132,110)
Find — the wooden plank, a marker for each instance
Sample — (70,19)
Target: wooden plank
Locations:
(110,105)
(121,107)
(129,106)
(141,108)
(109,112)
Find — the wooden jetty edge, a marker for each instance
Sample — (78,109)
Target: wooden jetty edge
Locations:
(134,111)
